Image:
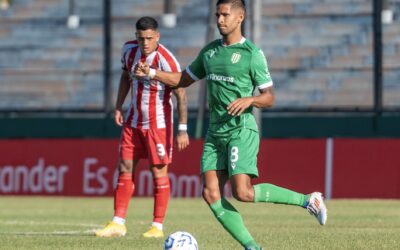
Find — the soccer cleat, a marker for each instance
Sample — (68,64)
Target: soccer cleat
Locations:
(316,207)
(153,232)
(112,229)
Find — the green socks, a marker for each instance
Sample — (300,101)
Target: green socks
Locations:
(232,221)
(270,193)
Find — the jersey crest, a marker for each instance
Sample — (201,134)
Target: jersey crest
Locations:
(235,58)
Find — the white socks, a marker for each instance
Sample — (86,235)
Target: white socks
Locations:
(119,220)
(159,226)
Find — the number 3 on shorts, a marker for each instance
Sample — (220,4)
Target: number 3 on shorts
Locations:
(160,150)
(234,156)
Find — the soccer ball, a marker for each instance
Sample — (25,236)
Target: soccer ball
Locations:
(180,241)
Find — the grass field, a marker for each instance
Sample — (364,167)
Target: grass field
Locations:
(69,223)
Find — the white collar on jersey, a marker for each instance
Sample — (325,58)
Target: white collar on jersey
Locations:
(242,40)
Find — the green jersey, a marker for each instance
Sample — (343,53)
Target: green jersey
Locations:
(231,72)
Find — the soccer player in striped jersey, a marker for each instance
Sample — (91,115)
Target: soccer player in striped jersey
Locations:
(233,67)
(147,126)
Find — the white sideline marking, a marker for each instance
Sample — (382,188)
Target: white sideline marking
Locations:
(91,230)
(328,168)
(52,233)
(17,222)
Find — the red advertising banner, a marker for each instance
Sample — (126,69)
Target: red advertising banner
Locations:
(297,164)
(366,168)
(352,168)
(84,167)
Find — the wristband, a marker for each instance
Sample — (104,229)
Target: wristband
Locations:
(152,73)
(182,127)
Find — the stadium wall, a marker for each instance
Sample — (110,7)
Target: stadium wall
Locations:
(340,167)
(274,126)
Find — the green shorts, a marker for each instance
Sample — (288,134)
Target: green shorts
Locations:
(237,154)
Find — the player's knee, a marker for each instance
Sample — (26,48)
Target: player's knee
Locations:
(159,171)
(125,166)
(243,194)
(211,195)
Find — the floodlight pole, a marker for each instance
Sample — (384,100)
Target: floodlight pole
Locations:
(378,67)
(71,9)
(169,6)
(108,106)
(203,86)
(256,15)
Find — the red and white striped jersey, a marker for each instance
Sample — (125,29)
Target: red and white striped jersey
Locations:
(151,105)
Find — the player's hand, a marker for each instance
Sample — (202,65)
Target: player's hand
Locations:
(118,117)
(182,140)
(141,70)
(239,105)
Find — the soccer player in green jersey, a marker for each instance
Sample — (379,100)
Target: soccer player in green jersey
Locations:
(233,67)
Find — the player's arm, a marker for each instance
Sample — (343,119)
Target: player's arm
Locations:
(265,99)
(260,76)
(123,89)
(182,138)
(172,79)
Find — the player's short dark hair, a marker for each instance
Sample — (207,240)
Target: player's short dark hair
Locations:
(146,23)
(235,3)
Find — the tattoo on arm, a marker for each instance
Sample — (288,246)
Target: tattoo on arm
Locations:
(185,80)
(123,89)
(181,99)
(266,90)
(265,99)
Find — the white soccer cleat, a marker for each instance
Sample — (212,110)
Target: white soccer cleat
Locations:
(316,207)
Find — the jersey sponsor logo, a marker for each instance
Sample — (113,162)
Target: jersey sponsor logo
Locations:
(214,77)
(235,58)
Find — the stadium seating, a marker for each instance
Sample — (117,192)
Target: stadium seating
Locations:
(320,53)
(329,42)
